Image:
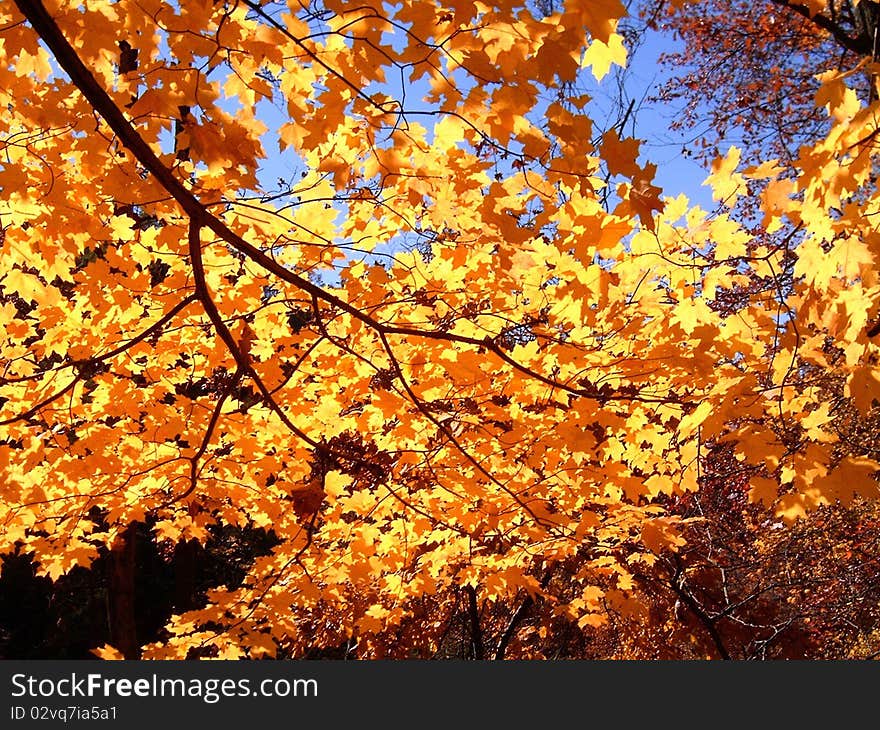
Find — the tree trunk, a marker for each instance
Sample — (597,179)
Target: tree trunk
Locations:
(123,627)
(186,555)
(867,17)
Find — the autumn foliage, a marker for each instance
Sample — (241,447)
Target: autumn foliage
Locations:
(347,278)
(748,73)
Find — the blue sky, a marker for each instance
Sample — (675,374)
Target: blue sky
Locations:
(642,78)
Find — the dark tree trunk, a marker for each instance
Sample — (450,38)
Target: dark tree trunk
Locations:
(186,556)
(476,649)
(866,16)
(123,625)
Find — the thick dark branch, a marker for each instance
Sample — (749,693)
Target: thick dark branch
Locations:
(517,618)
(446,431)
(153,329)
(512,626)
(242,360)
(474,618)
(42,404)
(861,46)
(677,585)
(83,79)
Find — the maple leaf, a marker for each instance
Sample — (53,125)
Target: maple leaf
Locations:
(841,101)
(660,534)
(601,54)
(307,498)
(852,477)
(108,653)
(863,386)
(620,155)
(727,185)
(644,197)
(763,490)
(600,17)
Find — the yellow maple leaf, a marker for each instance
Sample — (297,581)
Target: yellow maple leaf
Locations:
(601,54)
(763,490)
(727,185)
(863,386)
(660,533)
(841,101)
(852,477)
(108,653)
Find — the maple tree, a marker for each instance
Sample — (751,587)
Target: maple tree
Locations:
(748,72)
(459,383)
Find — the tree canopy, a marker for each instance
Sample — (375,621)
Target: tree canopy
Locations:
(748,73)
(363,278)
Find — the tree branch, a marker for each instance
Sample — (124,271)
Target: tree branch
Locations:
(856,45)
(474,616)
(515,620)
(677,585)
